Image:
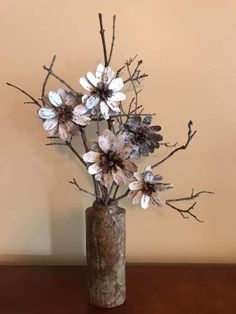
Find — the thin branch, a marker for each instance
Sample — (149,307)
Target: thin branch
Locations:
(113,39)
(122,196)
(116,191)
(169,145)
(187,211)
(189,138)
(76,153)
(60,79)
(191,197)
(35,101)
(47,76)
(55,143)
(74,182)
(102,33)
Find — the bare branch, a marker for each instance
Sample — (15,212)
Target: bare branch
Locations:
(47,76)
(122,196)
(187,211)
(102,33)
(55,143)
(76,153)
(169,145)
(35,101)
(60,79)
(113,39)
(74,182)
(190,136)
(191,197)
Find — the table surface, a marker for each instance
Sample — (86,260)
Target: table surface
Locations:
(151,289)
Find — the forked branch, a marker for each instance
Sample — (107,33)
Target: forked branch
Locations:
(191,134)
(74,182)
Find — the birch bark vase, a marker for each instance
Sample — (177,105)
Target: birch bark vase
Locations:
(105,246)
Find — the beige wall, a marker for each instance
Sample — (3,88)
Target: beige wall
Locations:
(189,49)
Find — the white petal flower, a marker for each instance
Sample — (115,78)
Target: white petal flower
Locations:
(104,91)
(55,99)
(146,190)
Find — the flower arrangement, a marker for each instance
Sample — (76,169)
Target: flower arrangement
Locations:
(110,158)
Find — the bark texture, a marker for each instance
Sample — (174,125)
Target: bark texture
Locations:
(105,245)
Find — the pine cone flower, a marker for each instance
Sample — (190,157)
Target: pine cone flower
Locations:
(62,113)
(142,135)
(110,159)
(104,90)
(146,188)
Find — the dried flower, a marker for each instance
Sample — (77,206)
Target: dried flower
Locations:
(104,90)
(110,159)
(62,114)
(142,135)
(146,188)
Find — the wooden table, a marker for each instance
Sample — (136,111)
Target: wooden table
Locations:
(151,289)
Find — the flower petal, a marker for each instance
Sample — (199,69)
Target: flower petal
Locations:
(118,96)
(119,143)
(118,176)
(92,79)
(84,97)
(85,84)
(116,84)
(62,93)
(138,176)
(100,71)
(47,113)
(92,101)
(94,168)
(91,157)
(79,110)
(137,197)
(81,120)
(50,124)
(148,174)
(145,201)
(136,185)
(104,110)
(63,133)
(55,99)
(108,179)
(106,140)
(113,105)
(108,75)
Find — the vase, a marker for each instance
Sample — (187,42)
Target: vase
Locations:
(105,248)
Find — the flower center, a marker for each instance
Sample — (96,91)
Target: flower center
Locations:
(109,160)
(65,113)
(103,91)
(148,188)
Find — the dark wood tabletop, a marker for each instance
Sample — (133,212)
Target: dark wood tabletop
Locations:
(151,289)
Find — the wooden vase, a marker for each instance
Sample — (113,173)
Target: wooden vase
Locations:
(105,246)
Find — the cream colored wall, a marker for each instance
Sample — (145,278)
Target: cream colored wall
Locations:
(189,49)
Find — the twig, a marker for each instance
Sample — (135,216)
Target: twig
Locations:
(102,33)
(60,79)
(132,82)
(191,197)
(122,196)
(24,92)
(76,153)
(116,191)
(74,182)
(169,145)
(113,39)
(109,193)
(190,136)
(187,211)
(55,143)
(47,76)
